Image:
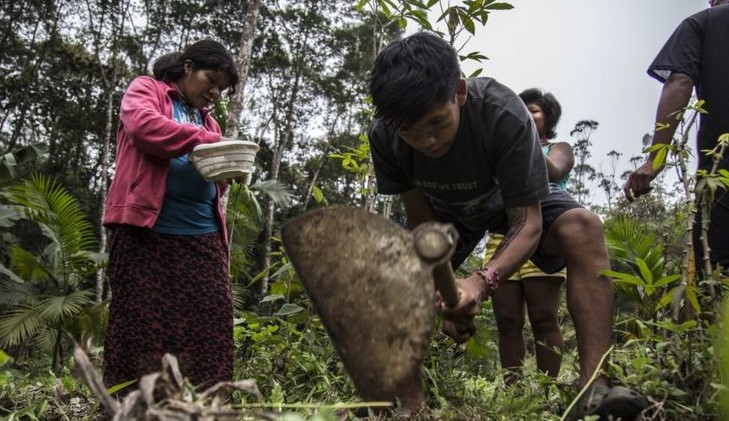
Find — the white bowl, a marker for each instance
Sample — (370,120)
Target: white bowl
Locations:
(224,160)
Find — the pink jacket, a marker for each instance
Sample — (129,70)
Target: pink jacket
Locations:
(147,139)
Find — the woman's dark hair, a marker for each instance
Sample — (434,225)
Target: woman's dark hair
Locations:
(549,105)
(410,76)
(206,54)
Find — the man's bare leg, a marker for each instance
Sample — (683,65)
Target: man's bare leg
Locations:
(577,236)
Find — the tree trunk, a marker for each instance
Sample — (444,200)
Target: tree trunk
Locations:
(286,136)
(243,63)
(104,161)
(320,165)
(105,164)
(57,362)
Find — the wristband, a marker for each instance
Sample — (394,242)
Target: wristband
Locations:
(490,278)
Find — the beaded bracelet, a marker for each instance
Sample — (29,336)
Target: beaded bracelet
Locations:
(490,278)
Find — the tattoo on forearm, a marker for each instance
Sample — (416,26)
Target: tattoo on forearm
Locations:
(517,221)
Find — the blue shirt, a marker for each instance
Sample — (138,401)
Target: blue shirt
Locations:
(188,207)
(561,184)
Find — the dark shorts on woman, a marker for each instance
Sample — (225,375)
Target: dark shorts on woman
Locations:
(554,205)
(170,294)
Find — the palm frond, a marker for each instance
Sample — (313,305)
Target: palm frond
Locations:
(60,218)
(64,307)
(19,324)
(278,192)
(90,324)
(243,203)
(14,290)
(8,215)
(28,267)
(628,240)
(244,217)
(8,274)
(45,340)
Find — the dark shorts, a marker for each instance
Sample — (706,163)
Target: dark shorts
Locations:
(718,235)
(554,205)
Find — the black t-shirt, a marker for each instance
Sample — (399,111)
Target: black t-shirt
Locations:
(699,47)
(495,161)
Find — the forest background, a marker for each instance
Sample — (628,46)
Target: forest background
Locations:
(64,67)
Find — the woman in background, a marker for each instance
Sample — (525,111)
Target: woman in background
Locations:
(530,287)
(168,260)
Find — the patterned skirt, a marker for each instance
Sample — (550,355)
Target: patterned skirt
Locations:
(170,294)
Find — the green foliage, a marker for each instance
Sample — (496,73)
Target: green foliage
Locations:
(59,73)
(675,364)
(356,160)
(457,18)
(44,295)
(716,179)
(11,160)
(641,264)
(288,350)
(31,392)
(723,353)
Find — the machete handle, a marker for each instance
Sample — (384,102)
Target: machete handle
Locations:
(445,282)
(435,243)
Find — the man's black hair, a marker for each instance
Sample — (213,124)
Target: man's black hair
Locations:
(549,105)
(410,76)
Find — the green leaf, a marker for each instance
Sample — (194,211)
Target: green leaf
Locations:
(317,194)
(644,271)
(288,309)
(693,299)
(10,274)
(19,324)
(30,153)
(667,280)
(667,298)
(120,386)
(660,158)
(272,298)
(623,277)
(421,17)
(468,24)
(474,6)
(4,358)
(476,73)
(385,9)
(499,6)
(453,19)
(277,191)
(8,167)
(64,307)
(699,106)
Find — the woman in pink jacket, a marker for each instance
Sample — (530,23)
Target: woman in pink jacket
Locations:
(168,268)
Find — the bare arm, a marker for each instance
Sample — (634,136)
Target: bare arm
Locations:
(417,208)
(525,228)
(520,241)
(560,161)
(675,96)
